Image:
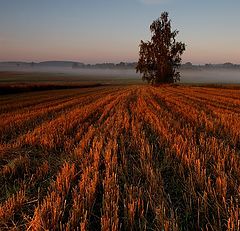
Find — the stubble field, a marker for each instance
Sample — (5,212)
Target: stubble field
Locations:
(120,158)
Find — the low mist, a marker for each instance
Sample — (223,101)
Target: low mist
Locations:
(220,76)
(223,76)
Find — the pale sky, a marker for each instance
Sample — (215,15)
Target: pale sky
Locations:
(93,31)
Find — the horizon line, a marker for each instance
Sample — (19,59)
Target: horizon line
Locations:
(71,61)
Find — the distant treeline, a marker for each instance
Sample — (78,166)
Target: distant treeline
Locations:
(121,65)
(210,66)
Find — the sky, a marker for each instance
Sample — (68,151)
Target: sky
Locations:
(93,31)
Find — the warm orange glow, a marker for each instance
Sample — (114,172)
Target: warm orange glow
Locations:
(120,156)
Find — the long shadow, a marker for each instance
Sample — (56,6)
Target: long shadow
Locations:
(13,89)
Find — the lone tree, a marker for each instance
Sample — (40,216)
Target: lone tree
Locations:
(160,58)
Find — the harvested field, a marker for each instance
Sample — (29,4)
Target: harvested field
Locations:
(120,158)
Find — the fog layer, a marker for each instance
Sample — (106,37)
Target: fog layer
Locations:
(211,76)
(187,76)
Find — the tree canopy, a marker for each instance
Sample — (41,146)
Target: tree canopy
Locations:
(160,57)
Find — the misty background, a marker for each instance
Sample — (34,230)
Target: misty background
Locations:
(216,75)
(110,31)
